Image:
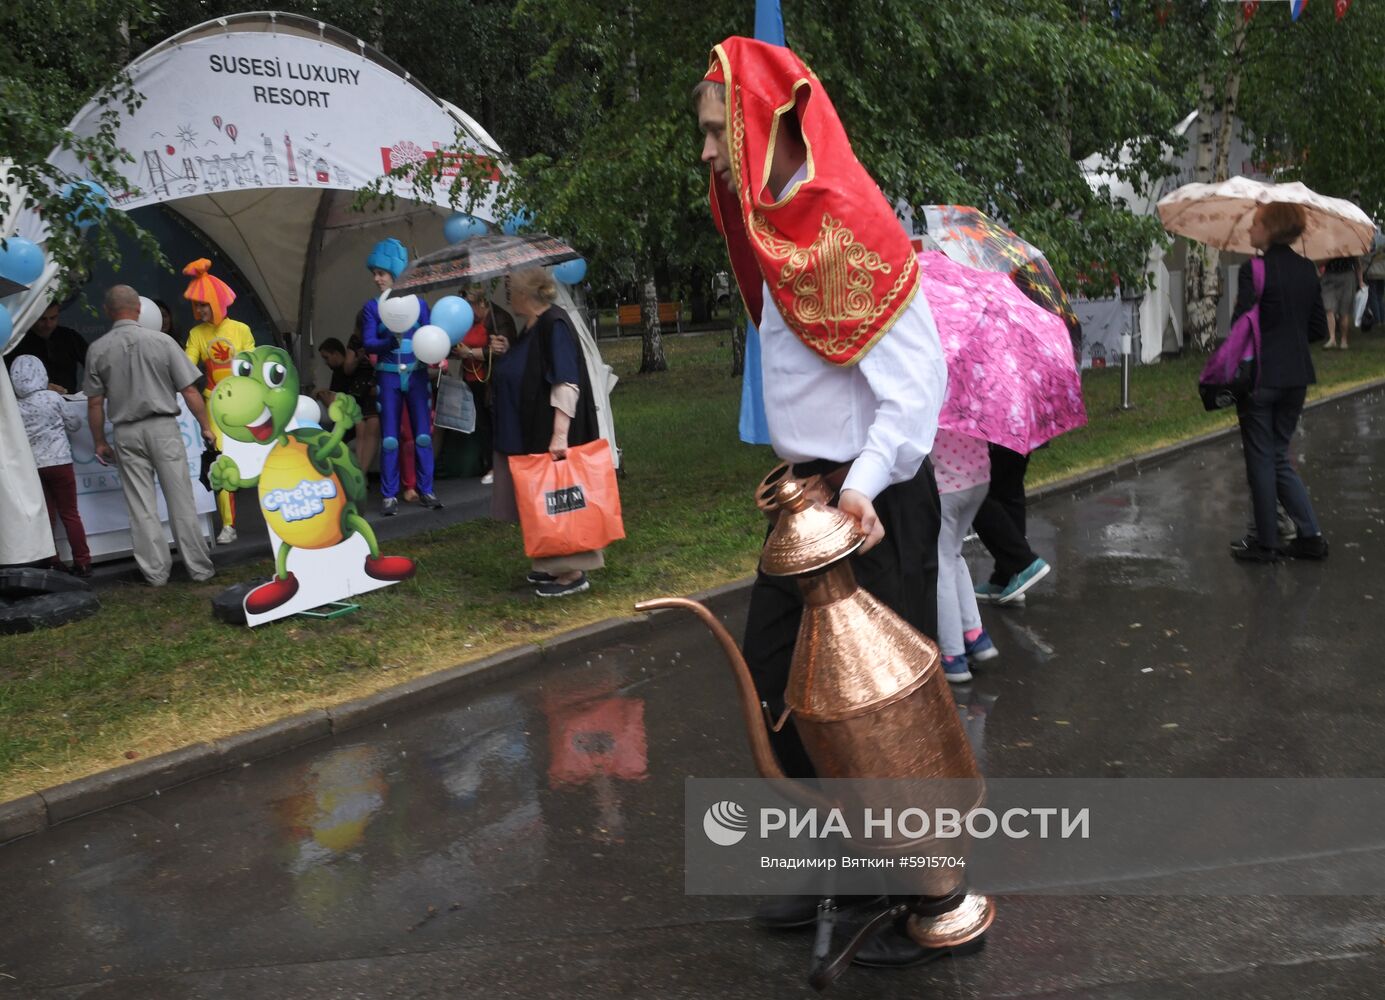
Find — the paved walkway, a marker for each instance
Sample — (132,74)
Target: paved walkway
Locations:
(526,841)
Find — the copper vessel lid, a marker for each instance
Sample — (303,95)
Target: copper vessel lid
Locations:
(808,535)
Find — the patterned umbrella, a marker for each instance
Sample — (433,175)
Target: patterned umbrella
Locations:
(482,257)
(1220,215)
(970,236)
(1010,373)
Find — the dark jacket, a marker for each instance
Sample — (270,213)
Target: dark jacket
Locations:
(61,353)
(535,410)
(1291,317)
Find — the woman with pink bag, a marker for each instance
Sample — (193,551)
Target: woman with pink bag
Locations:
(1291,317)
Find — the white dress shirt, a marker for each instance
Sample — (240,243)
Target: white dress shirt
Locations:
(880,414)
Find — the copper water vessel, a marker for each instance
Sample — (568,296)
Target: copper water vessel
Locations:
(866,692)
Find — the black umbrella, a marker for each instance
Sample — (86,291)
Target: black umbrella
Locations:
(482,257)
(8,287)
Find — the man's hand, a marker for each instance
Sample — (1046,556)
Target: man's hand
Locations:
(499,344)
(105,454)
(859,506)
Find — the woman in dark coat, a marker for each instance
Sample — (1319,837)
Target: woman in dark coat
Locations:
(1291,316)
(543,403)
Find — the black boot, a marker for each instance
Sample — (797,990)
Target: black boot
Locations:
(892,948)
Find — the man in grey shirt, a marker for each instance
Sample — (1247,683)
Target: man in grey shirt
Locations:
(133,377)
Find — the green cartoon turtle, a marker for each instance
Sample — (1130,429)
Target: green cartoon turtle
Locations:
(310,487)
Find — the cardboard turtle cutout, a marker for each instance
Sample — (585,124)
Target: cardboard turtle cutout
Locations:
(310,487)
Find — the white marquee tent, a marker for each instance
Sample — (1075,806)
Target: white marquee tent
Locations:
(258,129)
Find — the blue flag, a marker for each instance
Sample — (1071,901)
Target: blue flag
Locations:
(754,426)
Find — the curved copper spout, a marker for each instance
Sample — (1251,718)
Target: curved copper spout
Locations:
(765,761)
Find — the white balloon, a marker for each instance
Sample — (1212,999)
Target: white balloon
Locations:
(308,413)
(399,313)
(150,316)
(431,344)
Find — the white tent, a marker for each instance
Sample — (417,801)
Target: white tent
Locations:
(1159,315)
(258,129)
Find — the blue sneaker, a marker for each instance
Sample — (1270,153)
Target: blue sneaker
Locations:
(1022,581)
(980,649)
(986,593)
(955,669)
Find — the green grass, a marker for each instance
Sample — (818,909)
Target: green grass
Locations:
(154,671)
(1167,409)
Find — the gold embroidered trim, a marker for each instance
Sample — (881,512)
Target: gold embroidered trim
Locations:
(735,124)
(832,285)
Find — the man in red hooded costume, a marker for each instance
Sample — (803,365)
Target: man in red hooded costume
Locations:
(854,371)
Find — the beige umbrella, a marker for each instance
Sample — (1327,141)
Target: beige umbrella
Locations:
(1220,215)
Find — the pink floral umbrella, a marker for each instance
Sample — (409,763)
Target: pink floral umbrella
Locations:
(1010,373)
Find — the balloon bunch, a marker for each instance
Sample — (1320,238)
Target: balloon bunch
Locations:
(451,319)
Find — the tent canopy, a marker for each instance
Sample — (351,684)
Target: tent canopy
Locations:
(259,129)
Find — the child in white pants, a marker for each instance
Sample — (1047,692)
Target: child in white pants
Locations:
(962,465)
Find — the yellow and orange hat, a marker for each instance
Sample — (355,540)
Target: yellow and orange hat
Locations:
(205,287)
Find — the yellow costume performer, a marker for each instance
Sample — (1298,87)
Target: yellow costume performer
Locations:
(211,346)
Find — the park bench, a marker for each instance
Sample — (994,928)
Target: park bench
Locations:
(670,314)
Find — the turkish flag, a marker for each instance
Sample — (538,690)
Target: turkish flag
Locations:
(1342,7)
(1248,9)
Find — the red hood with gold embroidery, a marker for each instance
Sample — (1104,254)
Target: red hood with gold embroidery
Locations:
(837,262)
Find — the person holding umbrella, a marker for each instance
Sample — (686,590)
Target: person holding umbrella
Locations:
(1291,316)
(1292,226)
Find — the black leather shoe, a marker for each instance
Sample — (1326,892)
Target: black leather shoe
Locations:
(786,913)
(1249,549)
(893,949)
(1307,548)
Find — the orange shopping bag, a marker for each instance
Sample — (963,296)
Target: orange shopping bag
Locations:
(568,506)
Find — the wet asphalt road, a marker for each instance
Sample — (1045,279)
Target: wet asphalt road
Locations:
(526,840)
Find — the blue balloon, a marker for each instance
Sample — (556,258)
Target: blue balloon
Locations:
(523,219)
(453,313)
(21,260)
(571,272)
(6,326)
(95,201)
(461,227)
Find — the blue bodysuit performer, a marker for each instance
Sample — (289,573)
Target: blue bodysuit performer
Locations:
(400,380)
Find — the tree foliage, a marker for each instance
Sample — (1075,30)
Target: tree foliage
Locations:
(56,55)
(1314,98)
(992,102)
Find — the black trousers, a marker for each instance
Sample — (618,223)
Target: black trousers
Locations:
(1268,419)
(902,572)
(1000,521)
